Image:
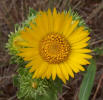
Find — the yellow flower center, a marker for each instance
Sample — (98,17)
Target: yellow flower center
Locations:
(54,48)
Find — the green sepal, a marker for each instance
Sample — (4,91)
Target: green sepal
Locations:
(46,89)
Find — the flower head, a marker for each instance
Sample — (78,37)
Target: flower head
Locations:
(55,45)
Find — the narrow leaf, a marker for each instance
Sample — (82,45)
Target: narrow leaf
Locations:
(87,83)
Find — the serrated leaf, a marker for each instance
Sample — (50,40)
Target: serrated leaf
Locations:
(21,71)
(87,83)
(15,81)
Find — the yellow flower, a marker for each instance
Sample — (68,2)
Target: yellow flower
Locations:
(55,46)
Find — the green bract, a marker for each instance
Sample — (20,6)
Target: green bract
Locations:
(44,88)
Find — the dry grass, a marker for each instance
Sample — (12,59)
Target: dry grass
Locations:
(15,11)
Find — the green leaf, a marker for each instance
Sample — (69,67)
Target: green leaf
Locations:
(87,83)
(99,51)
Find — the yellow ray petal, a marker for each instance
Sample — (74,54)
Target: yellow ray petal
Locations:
(70,72)
(44,23)
(29,34)
(36,30)
(60,75)
(79,46)
(64,71)
(29,64)
(54,71)
(82,61)
(50,20)
(36,61)
(87,56)
(42,69)
(32,69)
(72,28)
(54,12)
(48,72)
(80,42)
(79,66)
(66,26)
(58,22)
(29,54)
(78,35)
(82,50)
(70,64)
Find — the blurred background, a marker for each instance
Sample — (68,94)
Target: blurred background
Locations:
(16,11)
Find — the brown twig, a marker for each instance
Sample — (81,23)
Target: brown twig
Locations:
(15,9)
(12,98)
(58,4)
(76,94)
(66,86)
(10,17)
(63,4)
(5,19)
(51,4)
(99,63)
(96,42)
(79,2)
(6,77)
(68,4)
(60,97)
(22,8)
(95,11)
(99,84)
